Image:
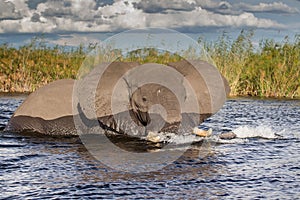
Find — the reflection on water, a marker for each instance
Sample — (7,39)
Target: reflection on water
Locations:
(249,167)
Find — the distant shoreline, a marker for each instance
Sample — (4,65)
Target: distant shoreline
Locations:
(26,94)
(272,71)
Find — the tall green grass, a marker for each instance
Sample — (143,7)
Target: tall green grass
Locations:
(271,69)
(35,64)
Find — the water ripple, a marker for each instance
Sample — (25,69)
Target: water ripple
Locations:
(257,165)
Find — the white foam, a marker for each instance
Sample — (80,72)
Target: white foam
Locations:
(186,139)
(296,135)
(179,139)
(261,131)
(242,132)
(232,141)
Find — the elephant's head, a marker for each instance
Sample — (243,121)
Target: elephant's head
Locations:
(155,105)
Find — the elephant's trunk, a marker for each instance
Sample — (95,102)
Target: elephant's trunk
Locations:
(143,117)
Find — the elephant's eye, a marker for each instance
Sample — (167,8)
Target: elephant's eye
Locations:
(144,98)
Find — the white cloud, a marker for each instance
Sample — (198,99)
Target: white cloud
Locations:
(8,11)
(274,7)
(226,8)
(155,6)
(123,15)
(25,25)
(88,16)
(201,17)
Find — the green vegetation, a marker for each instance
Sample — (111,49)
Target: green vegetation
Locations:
(270,70)
(30,66)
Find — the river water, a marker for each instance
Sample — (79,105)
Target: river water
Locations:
(262,163)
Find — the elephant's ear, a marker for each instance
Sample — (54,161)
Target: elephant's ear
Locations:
(208,84)
(95,90)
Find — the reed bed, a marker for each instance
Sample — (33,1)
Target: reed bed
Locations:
(271,69)
(27,68)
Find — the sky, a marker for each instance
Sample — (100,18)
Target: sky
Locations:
(73,22)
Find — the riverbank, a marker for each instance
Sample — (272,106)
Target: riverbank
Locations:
(268,70)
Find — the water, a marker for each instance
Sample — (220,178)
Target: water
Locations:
(259,164)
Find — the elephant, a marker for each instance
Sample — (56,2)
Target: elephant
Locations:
(47,111)
(117,97)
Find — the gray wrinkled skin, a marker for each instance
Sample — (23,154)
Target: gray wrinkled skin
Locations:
(139,109)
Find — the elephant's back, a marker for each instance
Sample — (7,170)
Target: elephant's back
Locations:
(48,110)
(49,102)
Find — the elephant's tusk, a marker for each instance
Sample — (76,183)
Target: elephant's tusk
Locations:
(201,132)
(153,137)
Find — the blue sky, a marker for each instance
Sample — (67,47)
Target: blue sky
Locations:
(84,21)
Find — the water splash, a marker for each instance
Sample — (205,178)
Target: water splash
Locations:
(243,134)
(167,137)
(261,131)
